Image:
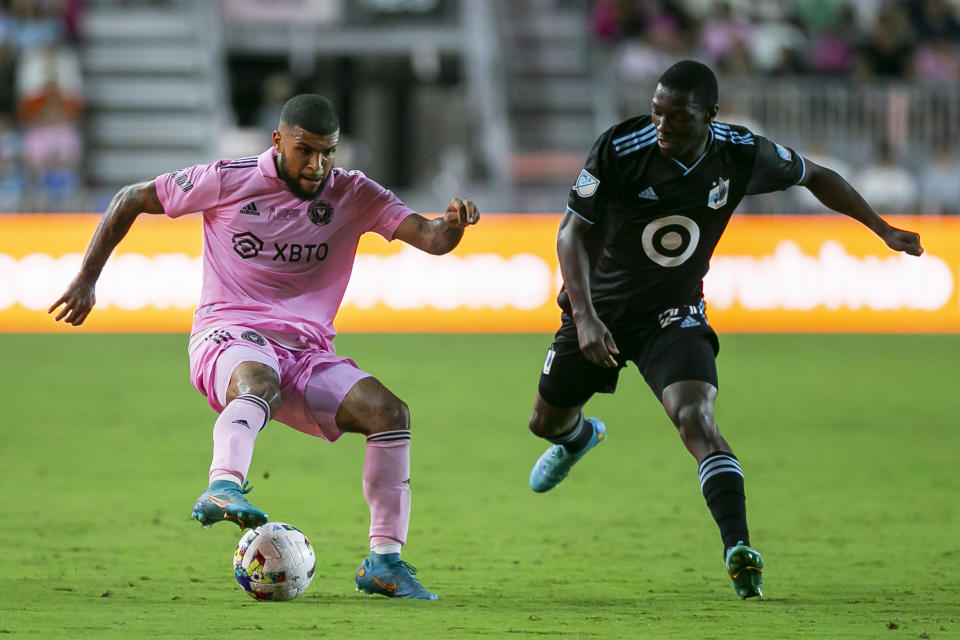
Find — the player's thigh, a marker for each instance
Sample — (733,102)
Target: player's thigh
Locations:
(327,381)
(217,353)
(567,381)
(677,357)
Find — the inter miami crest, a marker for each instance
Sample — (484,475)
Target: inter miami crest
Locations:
(254,337)
(320,212)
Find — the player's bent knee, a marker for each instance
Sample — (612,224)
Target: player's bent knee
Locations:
(256,379)
(370,408)
(376,415)
(394,414)
(547,420)
(537,424)
(694,418)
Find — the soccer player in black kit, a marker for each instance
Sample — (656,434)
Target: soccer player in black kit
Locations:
(642,221)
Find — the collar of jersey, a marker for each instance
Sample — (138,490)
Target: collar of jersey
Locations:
(268,167)
(706,150)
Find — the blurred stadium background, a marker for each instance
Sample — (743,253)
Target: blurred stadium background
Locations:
(851,439)
(495,100)
(499,99)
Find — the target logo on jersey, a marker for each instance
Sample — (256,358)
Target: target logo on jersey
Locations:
(670,241)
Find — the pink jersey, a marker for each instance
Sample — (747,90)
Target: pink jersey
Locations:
(271,260)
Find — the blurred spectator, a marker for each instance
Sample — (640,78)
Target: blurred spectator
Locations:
(833,49)
(737,62)
(40,105)
(639,61)
(936,62)
(887,185)
(8,70)
(890,44)
(934,19)
(822,15)
(12,180)
(607,18)
(940,181)
(862,39)
(670,20)
(779,45)
(71,14)
(722,32)
(37,23)
(49,103)
(658,33)
(276,89)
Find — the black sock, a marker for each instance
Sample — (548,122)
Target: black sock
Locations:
(721,482)
(577,438)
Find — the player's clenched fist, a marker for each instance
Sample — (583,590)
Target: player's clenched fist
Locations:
(461,213)
(906,241)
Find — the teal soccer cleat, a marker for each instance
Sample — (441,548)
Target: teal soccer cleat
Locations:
(223,500)
(745,566)
(388,575)
(554,465)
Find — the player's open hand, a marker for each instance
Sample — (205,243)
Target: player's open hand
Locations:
(596,342)
(906,241)
(461,213)
(77,301)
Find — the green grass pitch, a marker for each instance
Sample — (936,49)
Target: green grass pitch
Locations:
(850,446)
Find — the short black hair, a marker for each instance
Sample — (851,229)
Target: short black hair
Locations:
(310,112)
(690,75)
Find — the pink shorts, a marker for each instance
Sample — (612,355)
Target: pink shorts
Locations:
(215,353)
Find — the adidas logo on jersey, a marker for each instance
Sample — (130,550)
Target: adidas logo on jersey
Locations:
(250,209)
(689,321)
(648,194)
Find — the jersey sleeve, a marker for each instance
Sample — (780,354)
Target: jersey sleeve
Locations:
(189,190)
(776,167)
(594,182)
(383,208)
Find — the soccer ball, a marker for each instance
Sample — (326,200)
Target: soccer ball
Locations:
(274,562)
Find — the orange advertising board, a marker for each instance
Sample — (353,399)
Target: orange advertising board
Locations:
(770,274)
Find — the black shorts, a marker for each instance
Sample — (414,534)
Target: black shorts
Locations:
(678,347)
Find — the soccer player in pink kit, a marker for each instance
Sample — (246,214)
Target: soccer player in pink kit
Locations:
(280,233)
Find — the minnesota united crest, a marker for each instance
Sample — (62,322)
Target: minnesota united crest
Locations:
(718,195)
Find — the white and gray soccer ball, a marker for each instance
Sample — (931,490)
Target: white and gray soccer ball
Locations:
(274,562)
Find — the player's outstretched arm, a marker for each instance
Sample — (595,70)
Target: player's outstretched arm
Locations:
(127,204)
(596,341)
(440,235)
(833,191)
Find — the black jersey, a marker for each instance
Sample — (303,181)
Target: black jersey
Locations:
(656,221)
